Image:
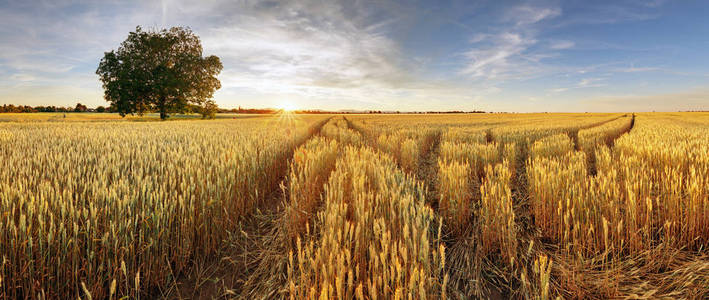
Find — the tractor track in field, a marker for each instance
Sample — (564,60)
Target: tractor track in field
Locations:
(350,125)
(574,134)
(591,157)
(627,130)
(531,243)
(428,171)
(224,276)
(368,136)
(257,235)
(489,138)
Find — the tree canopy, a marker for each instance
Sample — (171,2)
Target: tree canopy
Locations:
(80,108)
(161,71)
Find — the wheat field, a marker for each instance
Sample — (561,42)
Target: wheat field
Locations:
(454,206)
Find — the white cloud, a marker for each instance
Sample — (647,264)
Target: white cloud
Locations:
(22,77)
(583,83)
(322,51)
(559,90)
(291,46)
(526,14)
(589,82)
(560,45)
(633,69)
(479,37)
(500,58)
(506,52)
(320,54)
(614,12)
(653,3)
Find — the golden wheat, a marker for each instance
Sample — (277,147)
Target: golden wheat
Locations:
(120,209)
(90,203)
(374,238)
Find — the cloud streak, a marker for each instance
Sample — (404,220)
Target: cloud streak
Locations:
(500,59)
(298,47)
(362,54)
(507,52)
(561,45)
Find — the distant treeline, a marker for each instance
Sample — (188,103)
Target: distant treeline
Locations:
(10,108)
(247,110)
(387,112)
(456,112)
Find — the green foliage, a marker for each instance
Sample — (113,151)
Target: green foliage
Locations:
(209,110)
(160,71)
(80,108)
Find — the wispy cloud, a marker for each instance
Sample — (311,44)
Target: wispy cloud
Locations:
(349,54)
(632,69)
(653,3)
(479,37)
(306,48)
(500,59)
(505,52)
(559,90)
(614,12)
(300,46)
(589,82)
(22,77)
(526,14)
(583,83)
(561,45)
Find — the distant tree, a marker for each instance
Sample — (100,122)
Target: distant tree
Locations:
(160,71)
(209,109)
(80,108)
(8,108)
(11,108)
(100,109)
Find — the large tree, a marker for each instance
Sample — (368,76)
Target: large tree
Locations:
(160,71)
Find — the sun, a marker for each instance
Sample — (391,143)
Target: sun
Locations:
(287,106)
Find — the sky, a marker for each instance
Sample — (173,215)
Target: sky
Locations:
(517,56)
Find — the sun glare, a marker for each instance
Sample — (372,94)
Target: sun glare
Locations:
(286,109)
(287,106)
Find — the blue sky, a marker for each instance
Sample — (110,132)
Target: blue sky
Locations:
(392,55)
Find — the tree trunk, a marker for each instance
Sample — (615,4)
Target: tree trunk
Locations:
(163,110)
